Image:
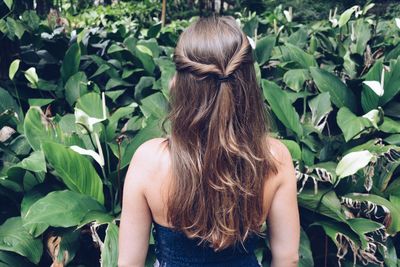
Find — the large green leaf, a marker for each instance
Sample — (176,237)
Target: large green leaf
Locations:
(8,103)
(75,170)
(109,254)
(155,105)
(70,64)
(115,117)
(10,259)
(320,108)
(324,202)
(264,48)
(282,107)
(60,209)
(327,82)
(351,125)
(38,128)
(369,99)
(392,81)
(167,68)
(35,162)
(91,104)
(75,87)
(346,15)
(14,237)
(295,78)
(390,126)
(29,199)
(291,53)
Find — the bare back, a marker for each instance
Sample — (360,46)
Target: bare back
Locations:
(156,189)
(146,187)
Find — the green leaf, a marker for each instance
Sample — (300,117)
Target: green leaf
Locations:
(70,64)
(75,170)
(31,19)
(299,38)
(391,84)
(60,209)
(8,103)
(305,253)
(295,78)
(167,68)
(320,107)
(393,139)
(154,30)
(293,147)
(109,253)
(9,259)
(282,107)
(327,82)
(351,125)
(14,237)
(264,48)
(250,26)
(35,162)
(103,68)
(369,99)
(91,104)
(76,87)
(111,127)
(333,229)
(38,128)
(346,15)
(144,82)
(39,101)
(32,77)
(13,68)
(155,105)
(31,197)
(291,53)
(9,4)
(113,82)
(324,202)
(390,126)
(352,162)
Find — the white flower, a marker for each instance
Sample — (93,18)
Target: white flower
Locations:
(252,43)
(376,86)
(397,20)
(288,14)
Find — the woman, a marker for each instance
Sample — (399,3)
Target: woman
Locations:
(209,187)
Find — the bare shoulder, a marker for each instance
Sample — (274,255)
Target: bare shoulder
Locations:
(283,158)
(149,160)
(151,151)
(279,150)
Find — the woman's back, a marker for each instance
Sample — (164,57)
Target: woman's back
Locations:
(157,189)
(218,177)
(174,248)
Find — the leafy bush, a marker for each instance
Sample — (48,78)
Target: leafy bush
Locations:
(75,106)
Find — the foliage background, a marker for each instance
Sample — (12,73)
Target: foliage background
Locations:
(82,86)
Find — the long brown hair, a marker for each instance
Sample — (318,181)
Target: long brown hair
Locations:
(220,156)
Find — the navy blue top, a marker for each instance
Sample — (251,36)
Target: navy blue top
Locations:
(174,249)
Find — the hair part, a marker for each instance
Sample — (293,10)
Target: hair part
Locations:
(218,142)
